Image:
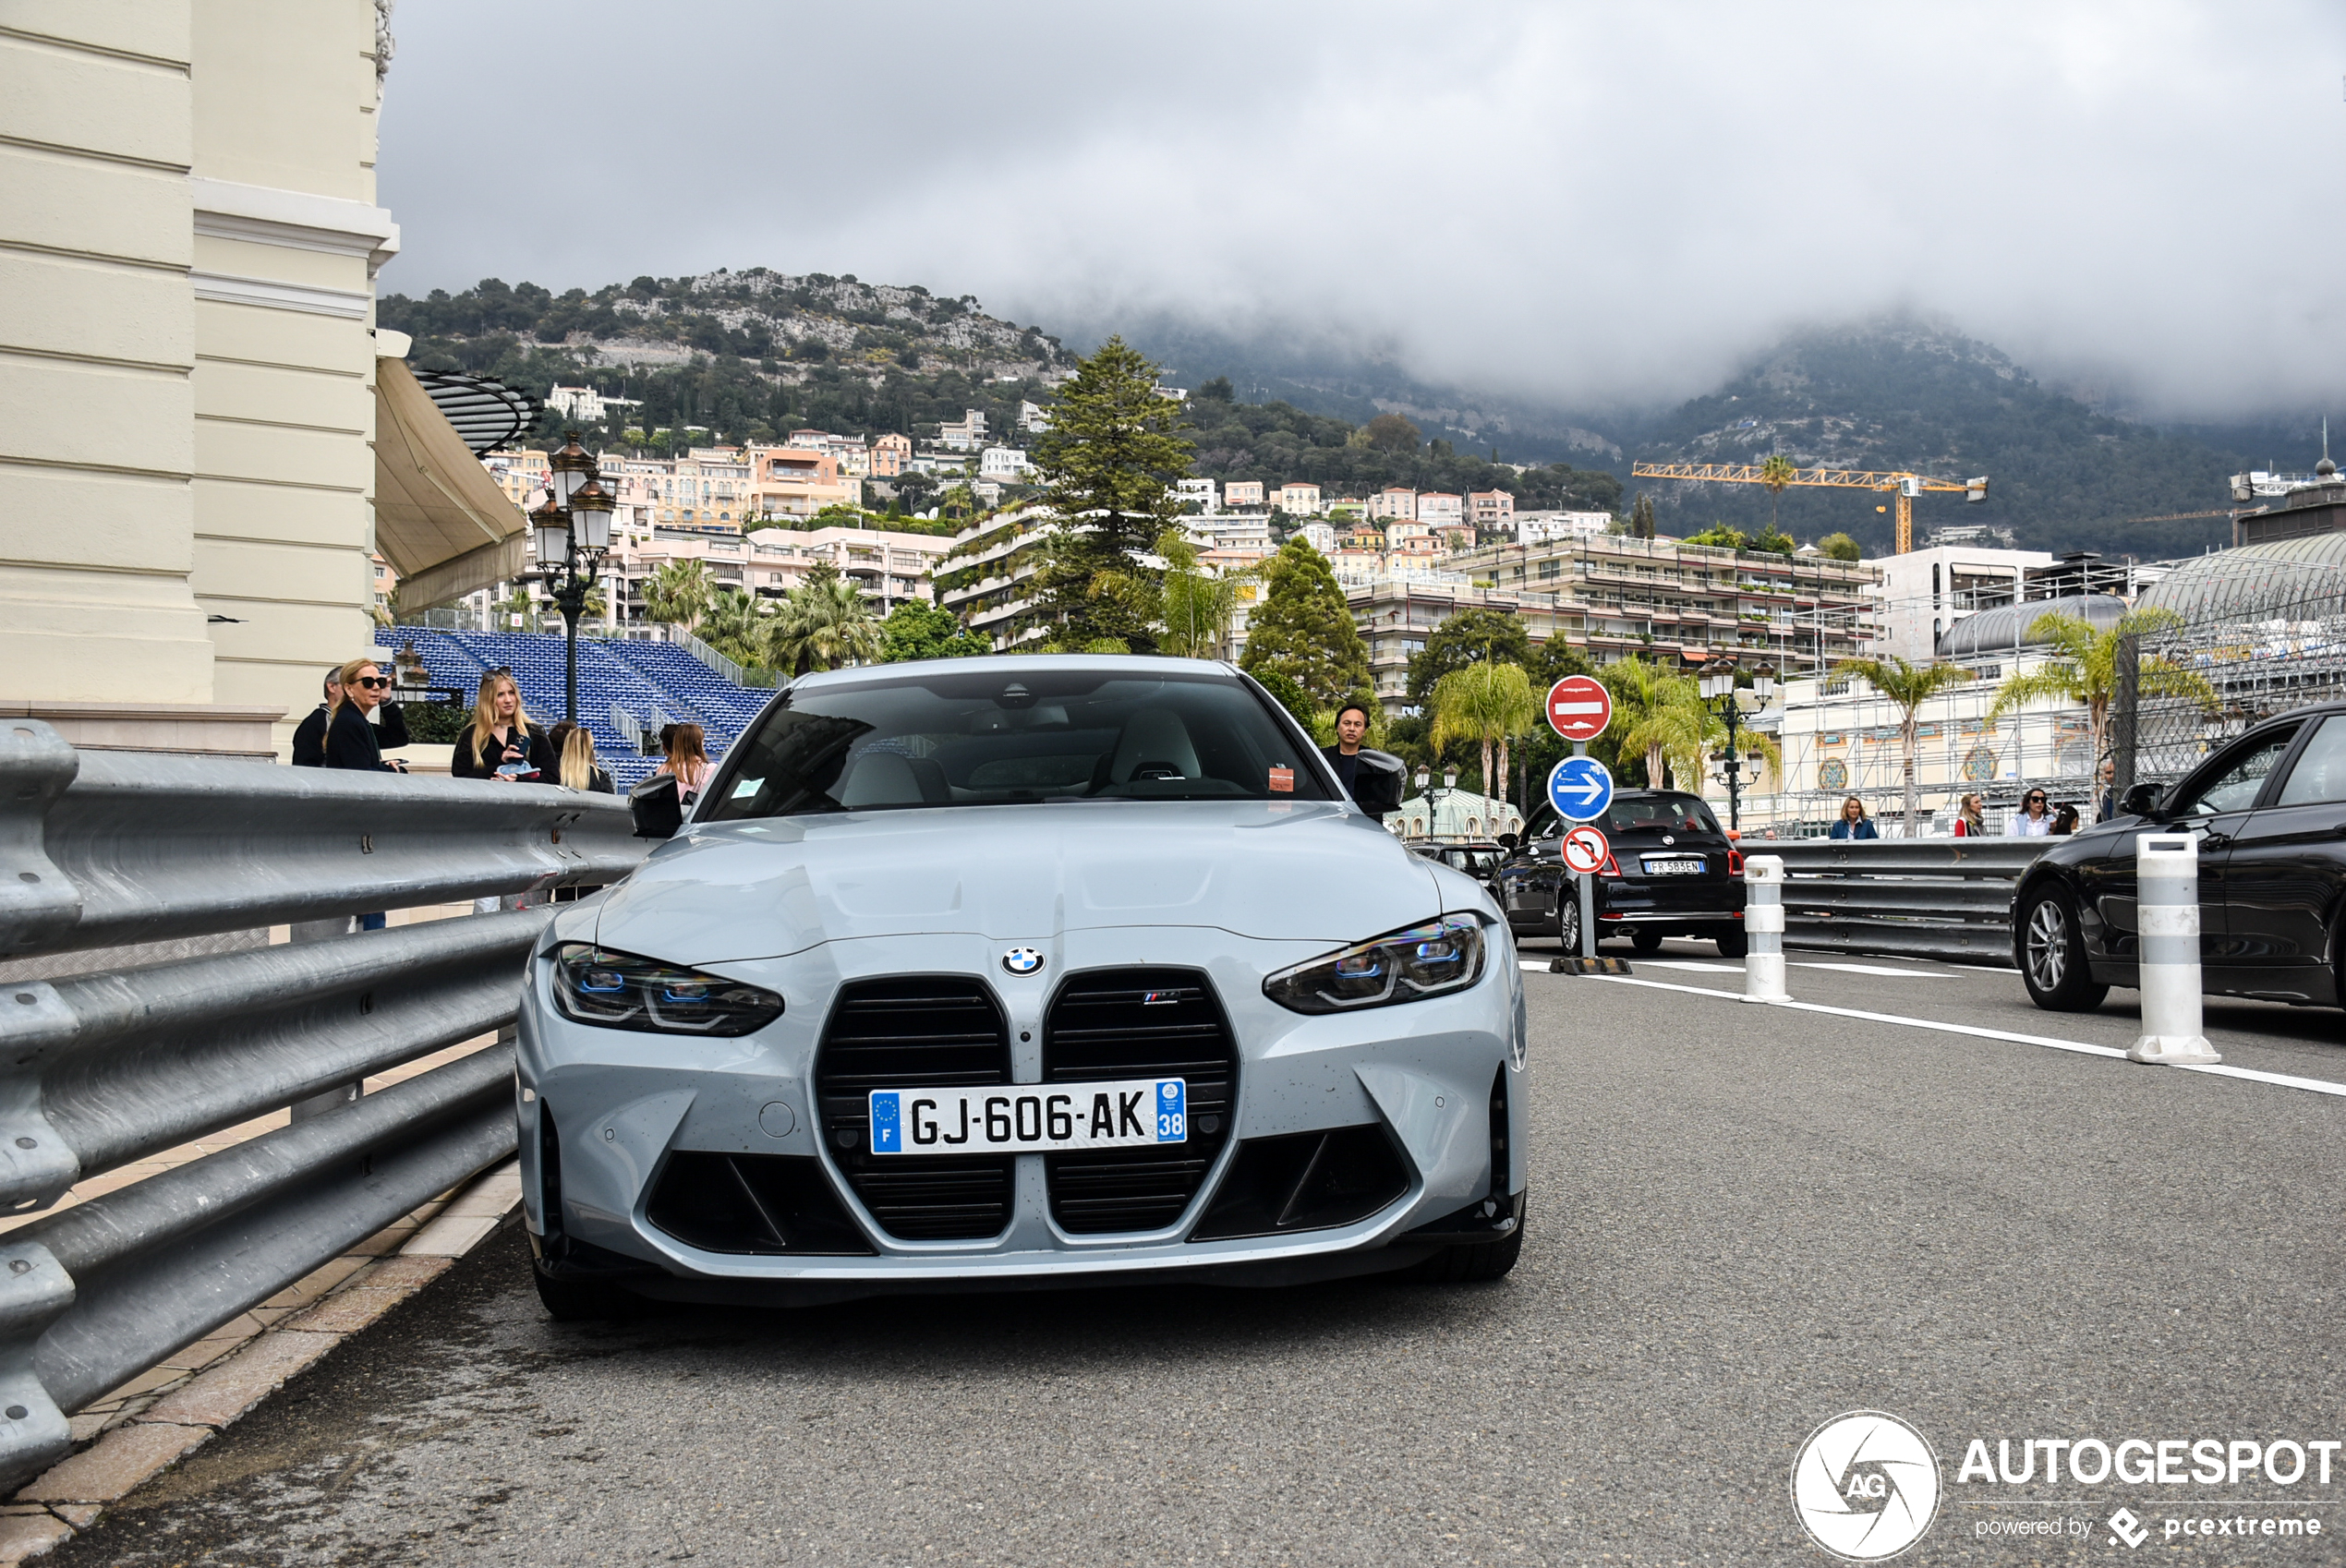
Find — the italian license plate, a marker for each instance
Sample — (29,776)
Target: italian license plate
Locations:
(1672,867)
(1030,1119)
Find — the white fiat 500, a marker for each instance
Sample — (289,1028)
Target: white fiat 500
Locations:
(1014,972)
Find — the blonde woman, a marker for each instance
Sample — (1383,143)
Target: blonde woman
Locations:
(501,742)
(1971,818)
(687,761)
(575,745)
(350,740)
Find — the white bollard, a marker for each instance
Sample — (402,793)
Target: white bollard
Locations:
(2167,919)
(1763,929)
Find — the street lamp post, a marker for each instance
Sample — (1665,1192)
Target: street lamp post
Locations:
(1716,681)
(573,534)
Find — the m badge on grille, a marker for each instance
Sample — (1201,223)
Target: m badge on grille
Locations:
(1023,961)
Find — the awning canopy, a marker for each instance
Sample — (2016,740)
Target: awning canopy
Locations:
(487,413)
(441,521)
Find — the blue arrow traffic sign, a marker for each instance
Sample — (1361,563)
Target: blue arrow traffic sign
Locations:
(1581,787)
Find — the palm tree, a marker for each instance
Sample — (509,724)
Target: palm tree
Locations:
(1195,606)
(1909,686)
(1485,702)
(1645,697)
(735,625)
(2083,669)
(1776,473)
(679,593)
(824,623)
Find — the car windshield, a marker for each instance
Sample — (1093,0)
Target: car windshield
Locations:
(988,738)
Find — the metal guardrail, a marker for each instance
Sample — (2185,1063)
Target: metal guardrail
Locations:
(99,1069)
(1920,898)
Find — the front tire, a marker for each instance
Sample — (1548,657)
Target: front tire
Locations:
(573,1301)
(1471,1264)
(1644,939)
(2053,955)
(1735,944)
(1568,926)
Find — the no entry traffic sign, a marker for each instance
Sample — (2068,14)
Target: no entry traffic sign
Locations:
(1585,849)
(1580,788)
(1579,707)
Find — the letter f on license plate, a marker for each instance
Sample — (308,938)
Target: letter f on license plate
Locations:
(1037,1118)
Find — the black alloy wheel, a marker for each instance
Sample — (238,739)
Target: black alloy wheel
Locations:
(2053,955)
(1644,939)
(1733,944)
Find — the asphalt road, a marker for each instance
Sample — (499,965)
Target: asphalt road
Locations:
(1745,1221)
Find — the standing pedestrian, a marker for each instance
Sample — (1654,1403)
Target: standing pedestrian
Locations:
(2032,821)
(2106,792)
(1971,821)
(2065,821)
(501,742)
(574,746)
(350,740)
(1854,823)
(1371,778)
(310,737)
(687,763)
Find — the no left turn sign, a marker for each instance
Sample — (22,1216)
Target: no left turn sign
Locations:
(1579,707)
(1585,850)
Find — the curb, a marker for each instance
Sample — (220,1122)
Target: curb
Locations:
(75,1493)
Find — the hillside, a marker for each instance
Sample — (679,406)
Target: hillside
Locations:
(742,356)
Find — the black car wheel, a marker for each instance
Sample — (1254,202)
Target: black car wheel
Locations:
(2053,955)
(1644,939)
(1733,944)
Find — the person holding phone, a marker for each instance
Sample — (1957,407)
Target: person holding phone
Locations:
(501,742)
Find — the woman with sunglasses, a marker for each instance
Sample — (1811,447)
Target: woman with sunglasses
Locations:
(2033,821)
(350,738)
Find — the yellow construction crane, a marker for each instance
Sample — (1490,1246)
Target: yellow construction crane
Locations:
(1902,486)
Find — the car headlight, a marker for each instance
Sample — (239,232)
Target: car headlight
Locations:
(621,991)
(1426,961)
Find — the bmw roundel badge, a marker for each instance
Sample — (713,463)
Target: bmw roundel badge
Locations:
(1023,961)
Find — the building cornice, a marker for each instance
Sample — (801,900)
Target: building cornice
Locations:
(294,220)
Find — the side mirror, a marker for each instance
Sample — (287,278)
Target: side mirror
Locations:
(1508,842)
(656,808)
(2142,801)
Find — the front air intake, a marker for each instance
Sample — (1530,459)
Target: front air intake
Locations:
(1140,1024)
(917,1033)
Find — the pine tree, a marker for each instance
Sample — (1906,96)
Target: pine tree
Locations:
(1641,519)
(1303,629)
(1108,461)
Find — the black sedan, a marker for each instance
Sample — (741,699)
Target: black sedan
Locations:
(1672,873)
(2269,812)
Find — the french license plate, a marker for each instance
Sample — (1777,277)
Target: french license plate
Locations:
(1672,867)
(1034,1118)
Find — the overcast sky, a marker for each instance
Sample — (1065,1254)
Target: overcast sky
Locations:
(1607,204)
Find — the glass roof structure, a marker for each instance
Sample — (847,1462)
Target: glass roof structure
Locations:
(2000,631)
(2285,580)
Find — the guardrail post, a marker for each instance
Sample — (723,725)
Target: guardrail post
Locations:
(2166,916)
(1763,929)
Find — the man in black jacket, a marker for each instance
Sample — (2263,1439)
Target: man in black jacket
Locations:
(1371,778)
(309,738)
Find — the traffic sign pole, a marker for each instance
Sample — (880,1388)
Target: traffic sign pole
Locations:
(1588,889)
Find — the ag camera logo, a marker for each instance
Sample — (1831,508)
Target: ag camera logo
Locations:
(1866,1486)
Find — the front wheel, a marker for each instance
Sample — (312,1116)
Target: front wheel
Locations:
(1472,1263)
(2053,955)
(1568,926)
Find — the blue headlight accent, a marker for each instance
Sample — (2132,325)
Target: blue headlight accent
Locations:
(594,985)
(1439,956)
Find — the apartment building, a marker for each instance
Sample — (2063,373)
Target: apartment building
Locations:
(1198,492)
(1244,492)
(1618,597)
(1320,537)
(890,452)
(1491,509)
(1394,500)
(1440,509)
(798,481)
(890,569)
(1397,611)
(1533,527)
(1004,464)
(1031,417)
(965,434)
(586,404)
(1300,499)
(1925,592)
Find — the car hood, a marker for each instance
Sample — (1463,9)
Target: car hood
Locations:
(738,890)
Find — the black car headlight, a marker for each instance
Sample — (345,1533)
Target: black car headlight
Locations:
(621,991)
(1431,959)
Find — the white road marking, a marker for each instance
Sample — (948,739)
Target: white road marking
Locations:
(1690,964)
(1868,968)
(2280,1080)
(1539,964)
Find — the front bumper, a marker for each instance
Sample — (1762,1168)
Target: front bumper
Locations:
(606,1112)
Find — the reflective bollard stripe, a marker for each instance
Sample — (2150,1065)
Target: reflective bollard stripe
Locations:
(2167,920)
(1763,929)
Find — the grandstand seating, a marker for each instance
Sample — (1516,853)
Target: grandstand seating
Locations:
(655,684)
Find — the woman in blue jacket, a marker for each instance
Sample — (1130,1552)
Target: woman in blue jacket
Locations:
(1854,823)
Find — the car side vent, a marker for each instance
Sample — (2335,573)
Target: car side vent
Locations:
(915,1034)
(1140,1024)
(1305,1181)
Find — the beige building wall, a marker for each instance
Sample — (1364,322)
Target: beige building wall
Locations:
(189,239)
(97,343)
